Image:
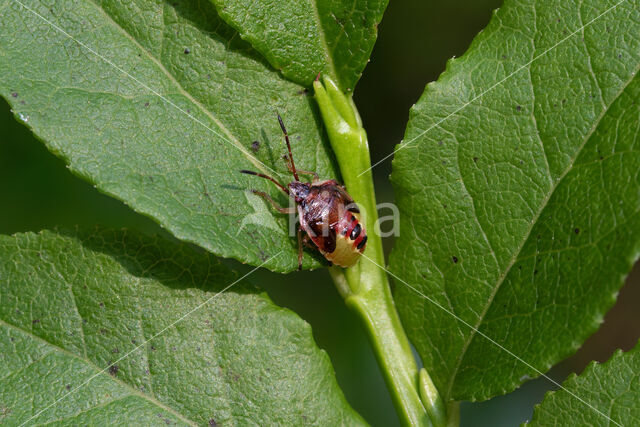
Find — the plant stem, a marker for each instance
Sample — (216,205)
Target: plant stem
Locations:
(365,286)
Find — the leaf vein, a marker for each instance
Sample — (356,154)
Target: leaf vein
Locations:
(534,220)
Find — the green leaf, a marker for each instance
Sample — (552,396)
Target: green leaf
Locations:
(119,328)
(611,391)
(519,191)
(158,104)
(304,38)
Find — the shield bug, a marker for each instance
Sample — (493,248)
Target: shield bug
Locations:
(329,217)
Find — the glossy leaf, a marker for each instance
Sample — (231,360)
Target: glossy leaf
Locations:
(611,391)
(112,327)
(519,191)
(159,105)
(304,38)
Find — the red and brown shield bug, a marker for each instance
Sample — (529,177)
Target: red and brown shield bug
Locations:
(328,215)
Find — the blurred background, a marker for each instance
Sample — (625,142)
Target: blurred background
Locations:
(415,40)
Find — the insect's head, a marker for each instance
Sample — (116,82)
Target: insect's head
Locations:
(299,190)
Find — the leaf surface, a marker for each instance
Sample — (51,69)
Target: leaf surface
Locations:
(118,328)
(304,38)
(612,391)
(519,193)
(159,105)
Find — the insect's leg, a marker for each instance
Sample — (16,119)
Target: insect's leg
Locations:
(261,175)
(273,202)
(315,175)
(306,241)
(299,249)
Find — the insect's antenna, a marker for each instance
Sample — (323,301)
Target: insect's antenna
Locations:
(261,175)
(286,137)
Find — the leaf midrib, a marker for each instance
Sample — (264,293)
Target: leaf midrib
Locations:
(230,137)
(100,371)
(534,221)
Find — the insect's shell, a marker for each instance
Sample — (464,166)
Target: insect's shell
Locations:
(332,220)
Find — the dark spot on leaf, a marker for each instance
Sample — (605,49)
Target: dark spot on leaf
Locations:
(440,143)
(14,94)
(538,236)
(518,108)
(519,267)
(146,104)
(153,348)
(444,206)
(444,162)
(34,321)
(601,158)
(577,231)
(186,51)
(455,259)
(101,304)
(212,422)
(475,159)
(68,387)
(115,350)
(504,56)
(255,146)
(535,271)
(18,311)
(103,331)
(113,370)
(133,341)
(12,339)
(619,55)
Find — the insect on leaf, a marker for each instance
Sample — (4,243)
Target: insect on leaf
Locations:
(520,195)
(159,105)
